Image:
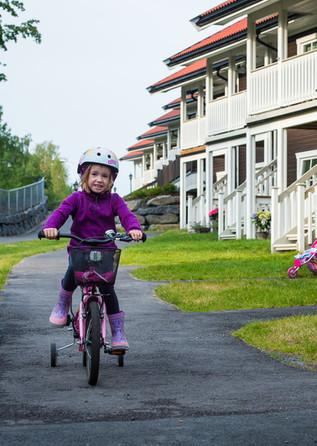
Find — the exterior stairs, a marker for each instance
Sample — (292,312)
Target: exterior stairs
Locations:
(289,241)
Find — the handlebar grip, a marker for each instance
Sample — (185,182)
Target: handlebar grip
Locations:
(42,235)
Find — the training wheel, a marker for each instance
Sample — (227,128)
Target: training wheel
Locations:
(292,272)
(121,360)
(53,350)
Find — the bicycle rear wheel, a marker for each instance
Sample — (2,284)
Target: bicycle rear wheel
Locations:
(93,343)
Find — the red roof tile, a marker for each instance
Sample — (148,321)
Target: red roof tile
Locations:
(184,72)
(141,144)
(132,154)
(217,7)
(229,31)
(238,29)
(155,131)
(220,11)
(171,115)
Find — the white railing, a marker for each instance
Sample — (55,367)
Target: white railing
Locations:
(193,133)
(299,78)
(137,183)
(228,113)
(279,85)
(234,205)
(149,176)
(196,211)
(232,208)
(294,208)
(218,187)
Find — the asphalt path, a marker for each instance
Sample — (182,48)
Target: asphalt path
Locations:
(186,380)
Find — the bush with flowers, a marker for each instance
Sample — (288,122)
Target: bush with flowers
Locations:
(262,220)
(213,215)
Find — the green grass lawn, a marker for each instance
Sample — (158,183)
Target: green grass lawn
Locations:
(13,253)
(292,339)
(220,275)
(205,274)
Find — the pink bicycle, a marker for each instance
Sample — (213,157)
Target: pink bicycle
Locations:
(92,265)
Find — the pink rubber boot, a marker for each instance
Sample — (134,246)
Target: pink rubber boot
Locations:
(119,341)
(60,311)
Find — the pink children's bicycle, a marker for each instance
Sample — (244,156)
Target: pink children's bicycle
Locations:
(308,257)
(92,265)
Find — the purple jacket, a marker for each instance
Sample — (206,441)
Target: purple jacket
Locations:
(92,215)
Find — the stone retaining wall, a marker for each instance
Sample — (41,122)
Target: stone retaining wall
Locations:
(22,222)
(159,213)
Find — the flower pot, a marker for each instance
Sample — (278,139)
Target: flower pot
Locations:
(262,235)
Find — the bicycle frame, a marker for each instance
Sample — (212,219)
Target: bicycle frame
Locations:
(89,292)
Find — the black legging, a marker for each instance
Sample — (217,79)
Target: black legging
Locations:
(112,304)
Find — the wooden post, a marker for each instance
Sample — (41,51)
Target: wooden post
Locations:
(182,185)
(220,214)
(300,217)
(238,214)
(274,217)
(190,212)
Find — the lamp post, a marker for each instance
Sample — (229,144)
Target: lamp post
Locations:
(130,178)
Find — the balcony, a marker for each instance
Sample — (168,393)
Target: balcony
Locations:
(149,176)
(227,113)
(272,87)
(193,133)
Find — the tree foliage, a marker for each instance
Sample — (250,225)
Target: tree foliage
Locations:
(19,167)
(10,32)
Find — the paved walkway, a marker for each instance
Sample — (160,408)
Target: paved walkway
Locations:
(186,380)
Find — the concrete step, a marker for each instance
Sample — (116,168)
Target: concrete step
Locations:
(285,247)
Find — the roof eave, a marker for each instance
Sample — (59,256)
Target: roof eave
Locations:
(164,121)
(179,82)
(155,135)
(210,49)
(226,17)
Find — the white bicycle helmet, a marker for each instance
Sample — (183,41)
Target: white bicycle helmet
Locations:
(101,156)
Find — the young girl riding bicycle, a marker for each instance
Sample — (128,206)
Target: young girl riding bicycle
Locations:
(93,211)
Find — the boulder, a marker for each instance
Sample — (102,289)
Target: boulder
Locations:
(163,200)
(162,219)
(133,205)
(159,210)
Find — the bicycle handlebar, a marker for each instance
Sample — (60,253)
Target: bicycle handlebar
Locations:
(110,236)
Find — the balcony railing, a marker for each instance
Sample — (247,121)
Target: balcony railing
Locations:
(193,133)
(227,113)
(296,82)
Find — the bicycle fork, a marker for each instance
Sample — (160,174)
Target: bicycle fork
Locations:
(83,319)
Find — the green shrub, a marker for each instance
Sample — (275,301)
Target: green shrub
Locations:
(168,188)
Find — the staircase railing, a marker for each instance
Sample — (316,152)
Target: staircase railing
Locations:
(233,211)
(196,211)
(293,208)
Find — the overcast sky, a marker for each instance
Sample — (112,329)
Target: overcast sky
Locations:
(85,84)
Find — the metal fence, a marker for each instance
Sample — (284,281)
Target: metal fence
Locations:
(18,200)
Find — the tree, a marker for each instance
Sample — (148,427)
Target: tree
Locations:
(10,32)
(46,162)
(14,154)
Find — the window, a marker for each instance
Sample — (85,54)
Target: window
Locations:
(307,43)
(305,161)
(310,46)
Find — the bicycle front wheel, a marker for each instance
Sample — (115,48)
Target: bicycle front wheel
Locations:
(93,343)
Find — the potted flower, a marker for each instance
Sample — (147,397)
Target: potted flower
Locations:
(213,215)
(197,227)
(262,221)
